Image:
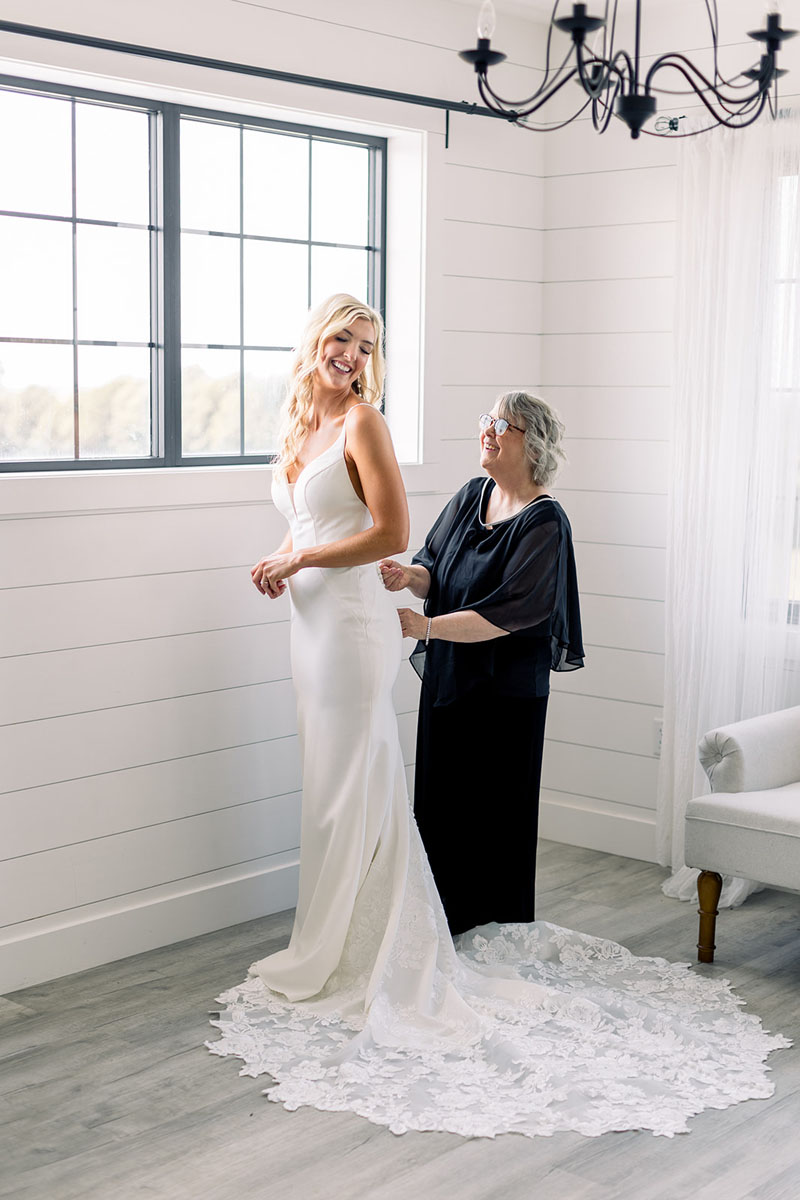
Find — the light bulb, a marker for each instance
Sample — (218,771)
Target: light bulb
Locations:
(486,20)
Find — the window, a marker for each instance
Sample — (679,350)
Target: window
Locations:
(158,265)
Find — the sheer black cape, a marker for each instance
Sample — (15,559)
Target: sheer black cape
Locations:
(519,575)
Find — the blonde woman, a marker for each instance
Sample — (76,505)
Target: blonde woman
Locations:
(338,485)
(371,1009)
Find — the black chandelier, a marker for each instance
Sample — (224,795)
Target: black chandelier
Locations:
(615,83)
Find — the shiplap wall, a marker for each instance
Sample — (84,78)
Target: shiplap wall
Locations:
(150,775)
(606,363)
(606,356)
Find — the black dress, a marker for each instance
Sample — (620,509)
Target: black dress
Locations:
(483,704)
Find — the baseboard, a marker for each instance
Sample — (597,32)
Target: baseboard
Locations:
(50,947)
(598,825)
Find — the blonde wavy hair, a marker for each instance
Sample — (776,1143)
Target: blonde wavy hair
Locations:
(325,321)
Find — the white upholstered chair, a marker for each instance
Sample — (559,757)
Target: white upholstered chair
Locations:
(750,824)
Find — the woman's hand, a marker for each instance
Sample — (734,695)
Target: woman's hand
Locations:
(394,575)
(413,624)
(270,573)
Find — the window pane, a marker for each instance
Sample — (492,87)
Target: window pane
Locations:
(36,154)
(114,402)
(36,402)
(338,271)
(112,174)
(209,176)
(275,184)
(275,293)
(211,402)
(265,376)
(113,284)
(209,289)
(36,273)
(340,193)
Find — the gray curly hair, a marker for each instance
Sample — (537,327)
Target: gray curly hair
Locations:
(543,433)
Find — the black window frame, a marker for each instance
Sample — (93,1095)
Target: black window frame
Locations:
(165,349)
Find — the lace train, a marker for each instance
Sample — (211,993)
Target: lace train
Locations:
(558,1031)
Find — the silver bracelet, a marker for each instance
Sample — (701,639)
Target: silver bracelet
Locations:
(428,631)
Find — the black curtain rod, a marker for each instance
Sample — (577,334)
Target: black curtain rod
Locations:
(217,64)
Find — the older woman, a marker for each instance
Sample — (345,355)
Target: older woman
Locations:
(497,573)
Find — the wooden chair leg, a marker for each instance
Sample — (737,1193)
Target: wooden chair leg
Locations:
(709,886)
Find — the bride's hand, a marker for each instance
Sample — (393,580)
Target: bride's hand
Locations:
(394,575)
(412,623)
(270,573)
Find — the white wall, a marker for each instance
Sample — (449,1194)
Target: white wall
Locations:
(150,775)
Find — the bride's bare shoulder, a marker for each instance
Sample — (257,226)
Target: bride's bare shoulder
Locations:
(364,415)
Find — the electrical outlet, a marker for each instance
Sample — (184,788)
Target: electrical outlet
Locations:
(658,728)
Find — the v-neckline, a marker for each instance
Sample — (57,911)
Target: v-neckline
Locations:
(311,462)
(483,506)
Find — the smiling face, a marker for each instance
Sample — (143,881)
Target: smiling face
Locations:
(344,355)
(505,452)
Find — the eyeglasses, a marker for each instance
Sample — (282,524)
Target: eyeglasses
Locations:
(485,420)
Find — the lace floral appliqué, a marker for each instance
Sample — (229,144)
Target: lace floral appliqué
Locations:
(531,1029)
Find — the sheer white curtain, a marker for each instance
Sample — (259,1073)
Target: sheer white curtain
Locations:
(730,650)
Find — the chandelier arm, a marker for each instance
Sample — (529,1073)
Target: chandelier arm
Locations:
(713,21)
(558,125)
(607,104)
(623,56)
(512,114)
(662,91)
(731,83)
(752,105)
(595,90)
(738,107)
(679,62)
(543,84)
(547,68)
(608,59)
(733,106)
(745,105)
(528,99)
(757,101)
(592,89)
(609,109)
(637,46)
(610,55)
(602,126)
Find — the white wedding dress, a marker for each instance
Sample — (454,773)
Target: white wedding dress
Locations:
(371,1008)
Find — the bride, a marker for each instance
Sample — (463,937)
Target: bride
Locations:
(371,1008)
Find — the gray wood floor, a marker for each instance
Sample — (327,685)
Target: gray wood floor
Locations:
(106,1092)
